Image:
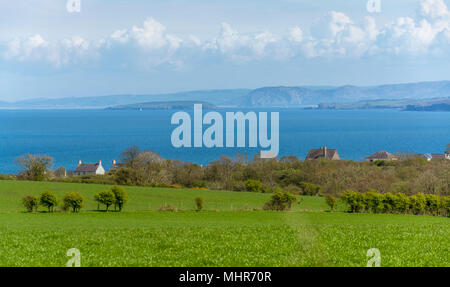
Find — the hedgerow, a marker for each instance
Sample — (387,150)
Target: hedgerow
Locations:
(375,202)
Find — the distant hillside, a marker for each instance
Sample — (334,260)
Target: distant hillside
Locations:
(403,104)
(303,96)
(433,106)
(216,97)
(171,105)
(263,97)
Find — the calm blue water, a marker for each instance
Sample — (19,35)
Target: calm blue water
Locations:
(91,135)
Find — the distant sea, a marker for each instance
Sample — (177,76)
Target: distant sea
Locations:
(92,135)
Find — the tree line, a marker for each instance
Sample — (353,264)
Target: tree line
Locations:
(74,201)
(317,177)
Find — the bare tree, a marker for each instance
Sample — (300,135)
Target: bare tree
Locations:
(128,157)
(35,167)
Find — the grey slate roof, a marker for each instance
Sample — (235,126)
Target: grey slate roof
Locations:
(326,153)
(87,167)
(381,155)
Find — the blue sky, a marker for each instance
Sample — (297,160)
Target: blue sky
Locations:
(123,46)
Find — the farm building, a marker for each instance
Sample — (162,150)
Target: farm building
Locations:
(89,168)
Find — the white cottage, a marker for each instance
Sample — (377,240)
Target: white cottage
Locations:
(89,168)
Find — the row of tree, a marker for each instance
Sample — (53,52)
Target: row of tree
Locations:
(71,201)
(74,201)
(374,202)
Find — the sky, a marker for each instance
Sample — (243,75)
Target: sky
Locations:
(51,50)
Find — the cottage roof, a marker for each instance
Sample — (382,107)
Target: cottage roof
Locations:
(381,155)
(87,167)
(327,153)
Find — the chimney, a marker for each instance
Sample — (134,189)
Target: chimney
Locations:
(100,162)
(114,162)
(325,151)
(79,162)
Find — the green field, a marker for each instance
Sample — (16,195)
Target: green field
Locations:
(230,232)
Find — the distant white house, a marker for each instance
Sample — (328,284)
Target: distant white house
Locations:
(89,168)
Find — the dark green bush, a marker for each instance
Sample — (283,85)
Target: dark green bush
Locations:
(280,201)
(49,200)
(121,197)
(331,201)
(74,201)
(198,203)
(105,197)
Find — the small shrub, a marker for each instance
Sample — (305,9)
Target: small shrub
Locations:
(30,202)
(199,203)
(74,201)
(49,200)
(252,185)
(280,201)
(331,201)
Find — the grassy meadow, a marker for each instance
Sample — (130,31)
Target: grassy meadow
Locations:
(231,231)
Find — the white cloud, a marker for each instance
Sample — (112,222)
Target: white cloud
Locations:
(296,35)
(433,9)
(120,36)
(334,35)
(36,48)
(195,40)
(25,48)
(241,47)
(150,36)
